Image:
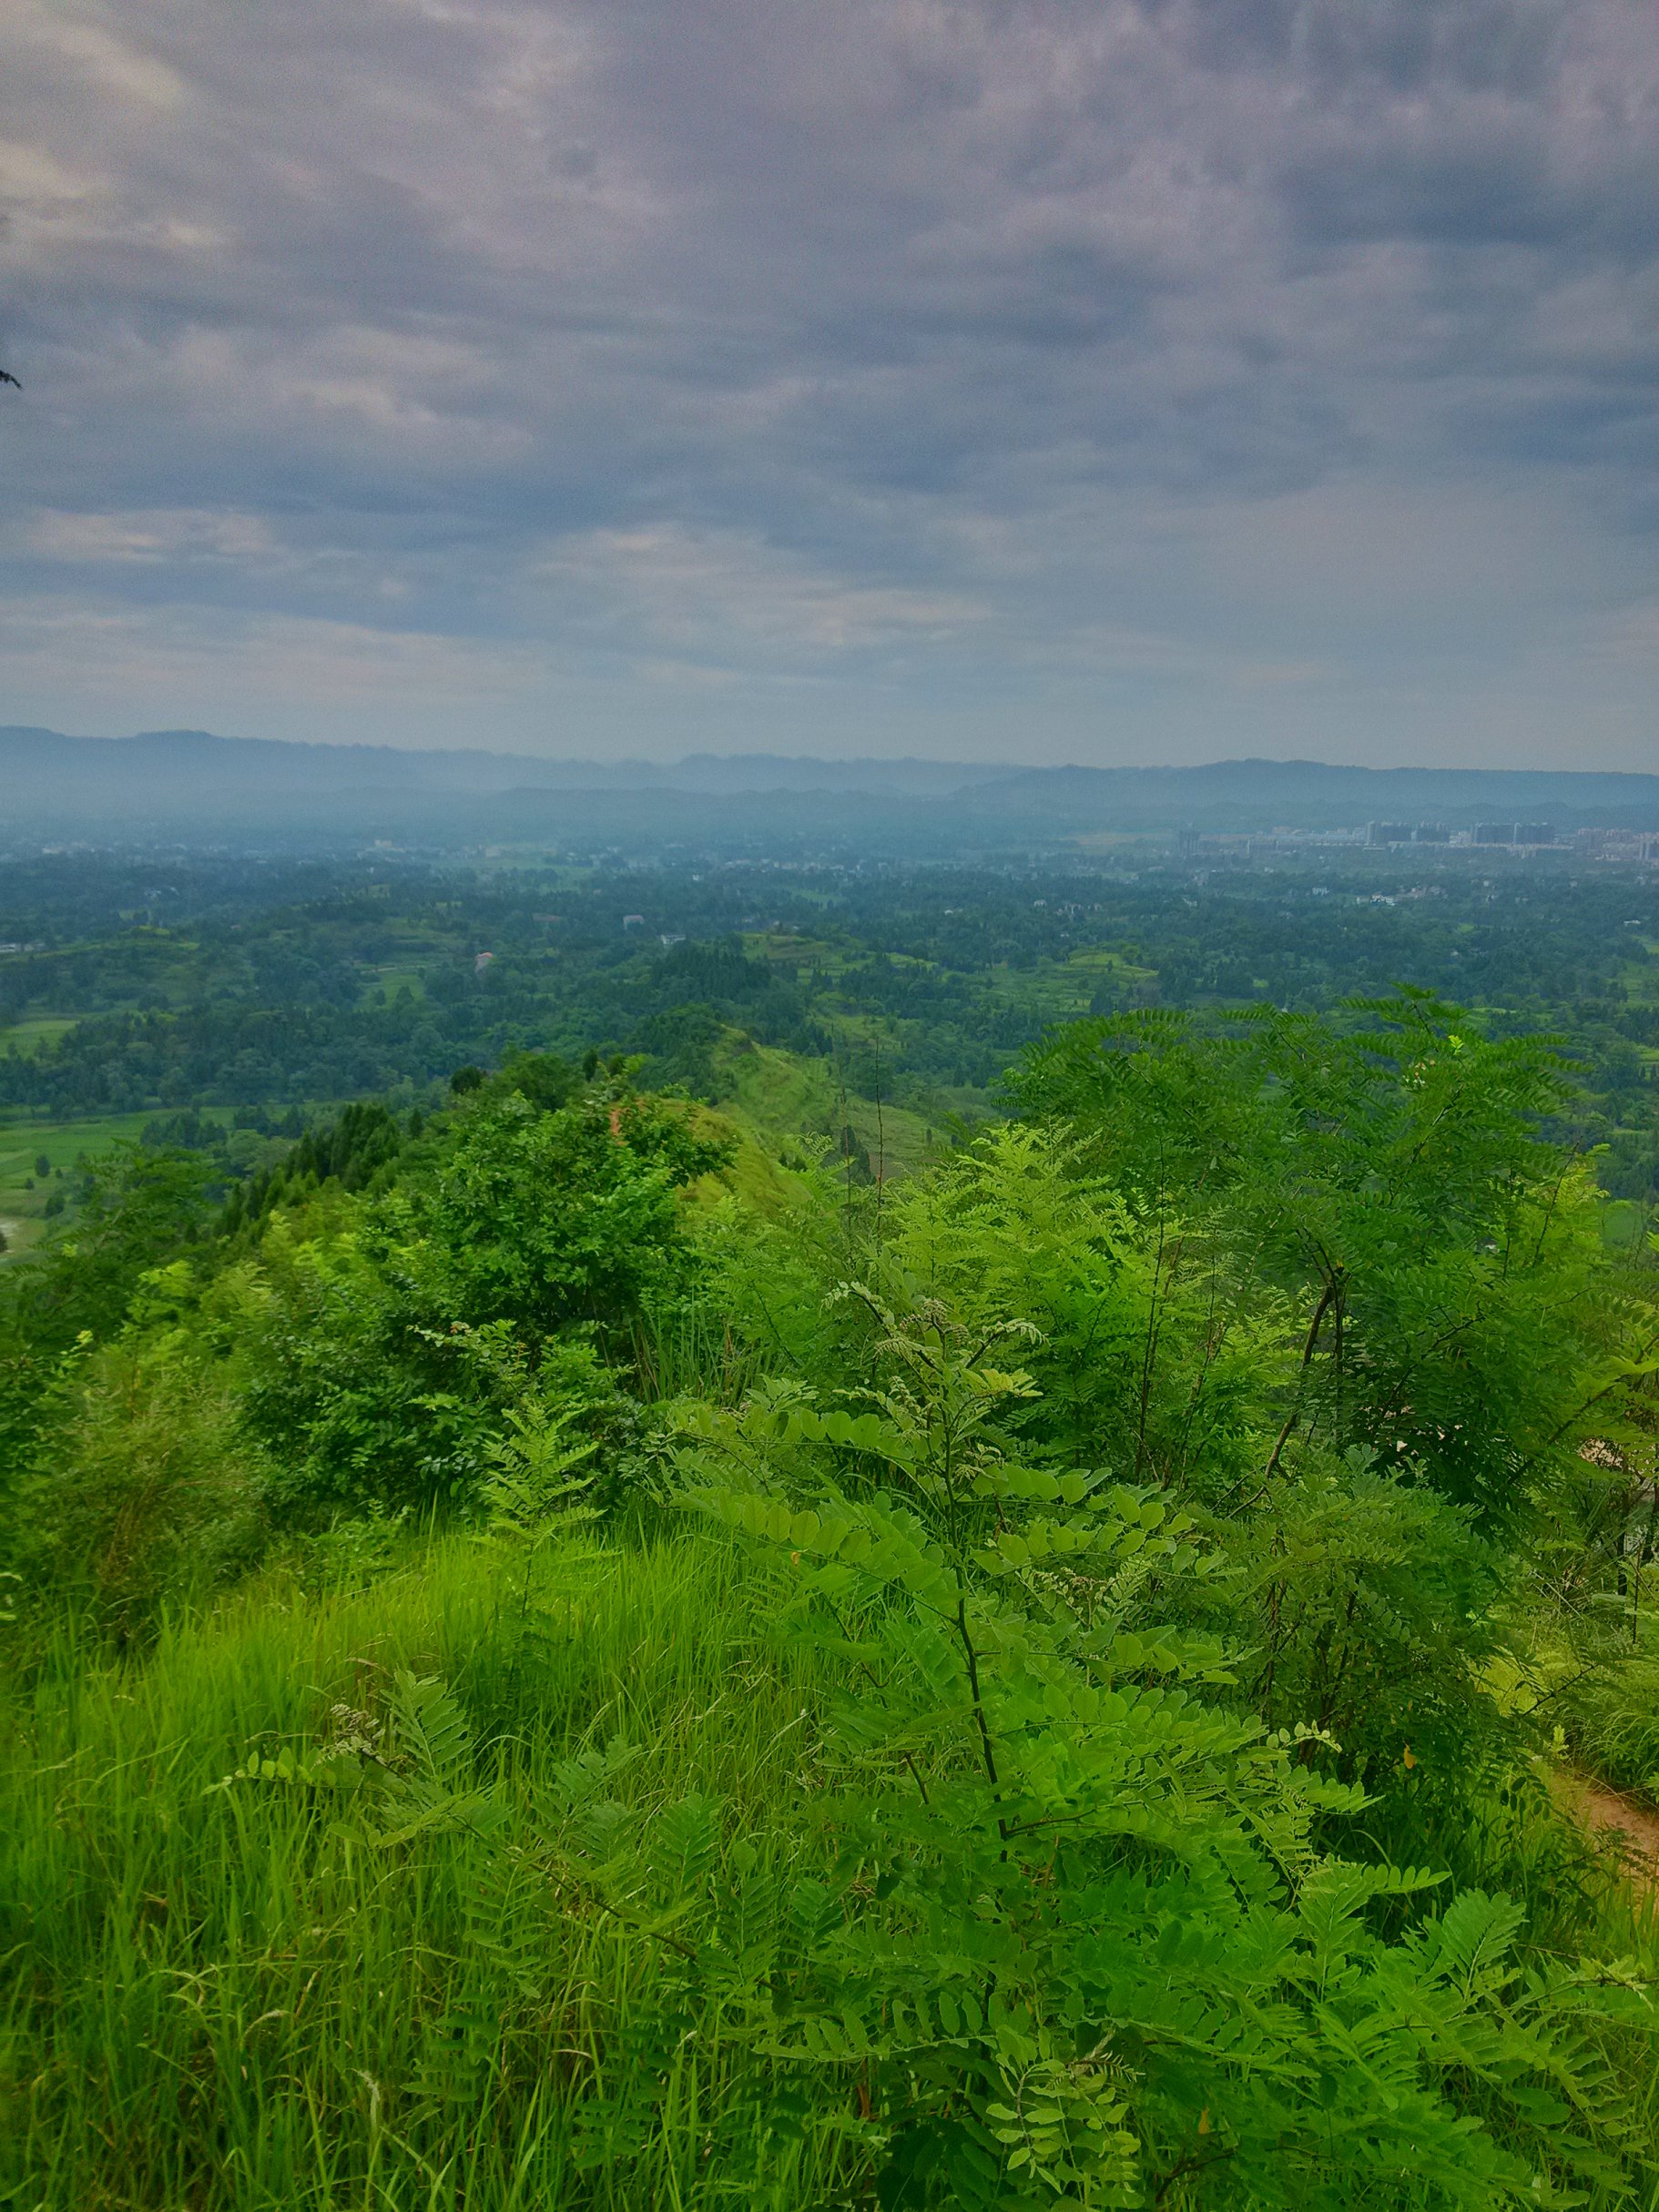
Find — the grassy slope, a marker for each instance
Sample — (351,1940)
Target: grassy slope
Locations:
(236,1998)
(778,1095)
(251,1997)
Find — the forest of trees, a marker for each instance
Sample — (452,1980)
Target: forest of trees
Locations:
(166,987)
(563,1652)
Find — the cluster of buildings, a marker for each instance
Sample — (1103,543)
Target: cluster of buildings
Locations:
(1517,837)
(1626,846)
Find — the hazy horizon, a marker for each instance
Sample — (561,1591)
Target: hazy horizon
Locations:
(1152,384)
(989,766)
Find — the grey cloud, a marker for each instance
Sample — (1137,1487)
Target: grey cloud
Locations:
(868,297)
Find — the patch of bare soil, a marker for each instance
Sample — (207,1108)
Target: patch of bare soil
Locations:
(1633,1827)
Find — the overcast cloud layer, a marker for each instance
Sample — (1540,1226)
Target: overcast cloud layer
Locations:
(1046,381)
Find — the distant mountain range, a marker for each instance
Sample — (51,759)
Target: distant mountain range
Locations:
(160,766)
(192,782)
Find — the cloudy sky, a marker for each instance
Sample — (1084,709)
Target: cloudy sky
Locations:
(1091,380)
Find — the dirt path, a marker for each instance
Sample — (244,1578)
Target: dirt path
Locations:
(1635,1828)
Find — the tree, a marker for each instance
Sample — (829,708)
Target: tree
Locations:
(1080,1943)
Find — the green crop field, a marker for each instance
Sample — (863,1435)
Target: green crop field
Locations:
(37,1029)
(23,1143)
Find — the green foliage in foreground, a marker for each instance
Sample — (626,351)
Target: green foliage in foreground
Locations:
(369,1968)
(1114,1961)
(1021,1688)
(420,1896)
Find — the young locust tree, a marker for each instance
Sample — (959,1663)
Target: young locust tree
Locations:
(1079,1944)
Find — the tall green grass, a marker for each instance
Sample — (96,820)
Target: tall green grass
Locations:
(222,1997)
(1611,1714)
(225,1997)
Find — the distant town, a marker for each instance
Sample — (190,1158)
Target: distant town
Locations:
(1615,846)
